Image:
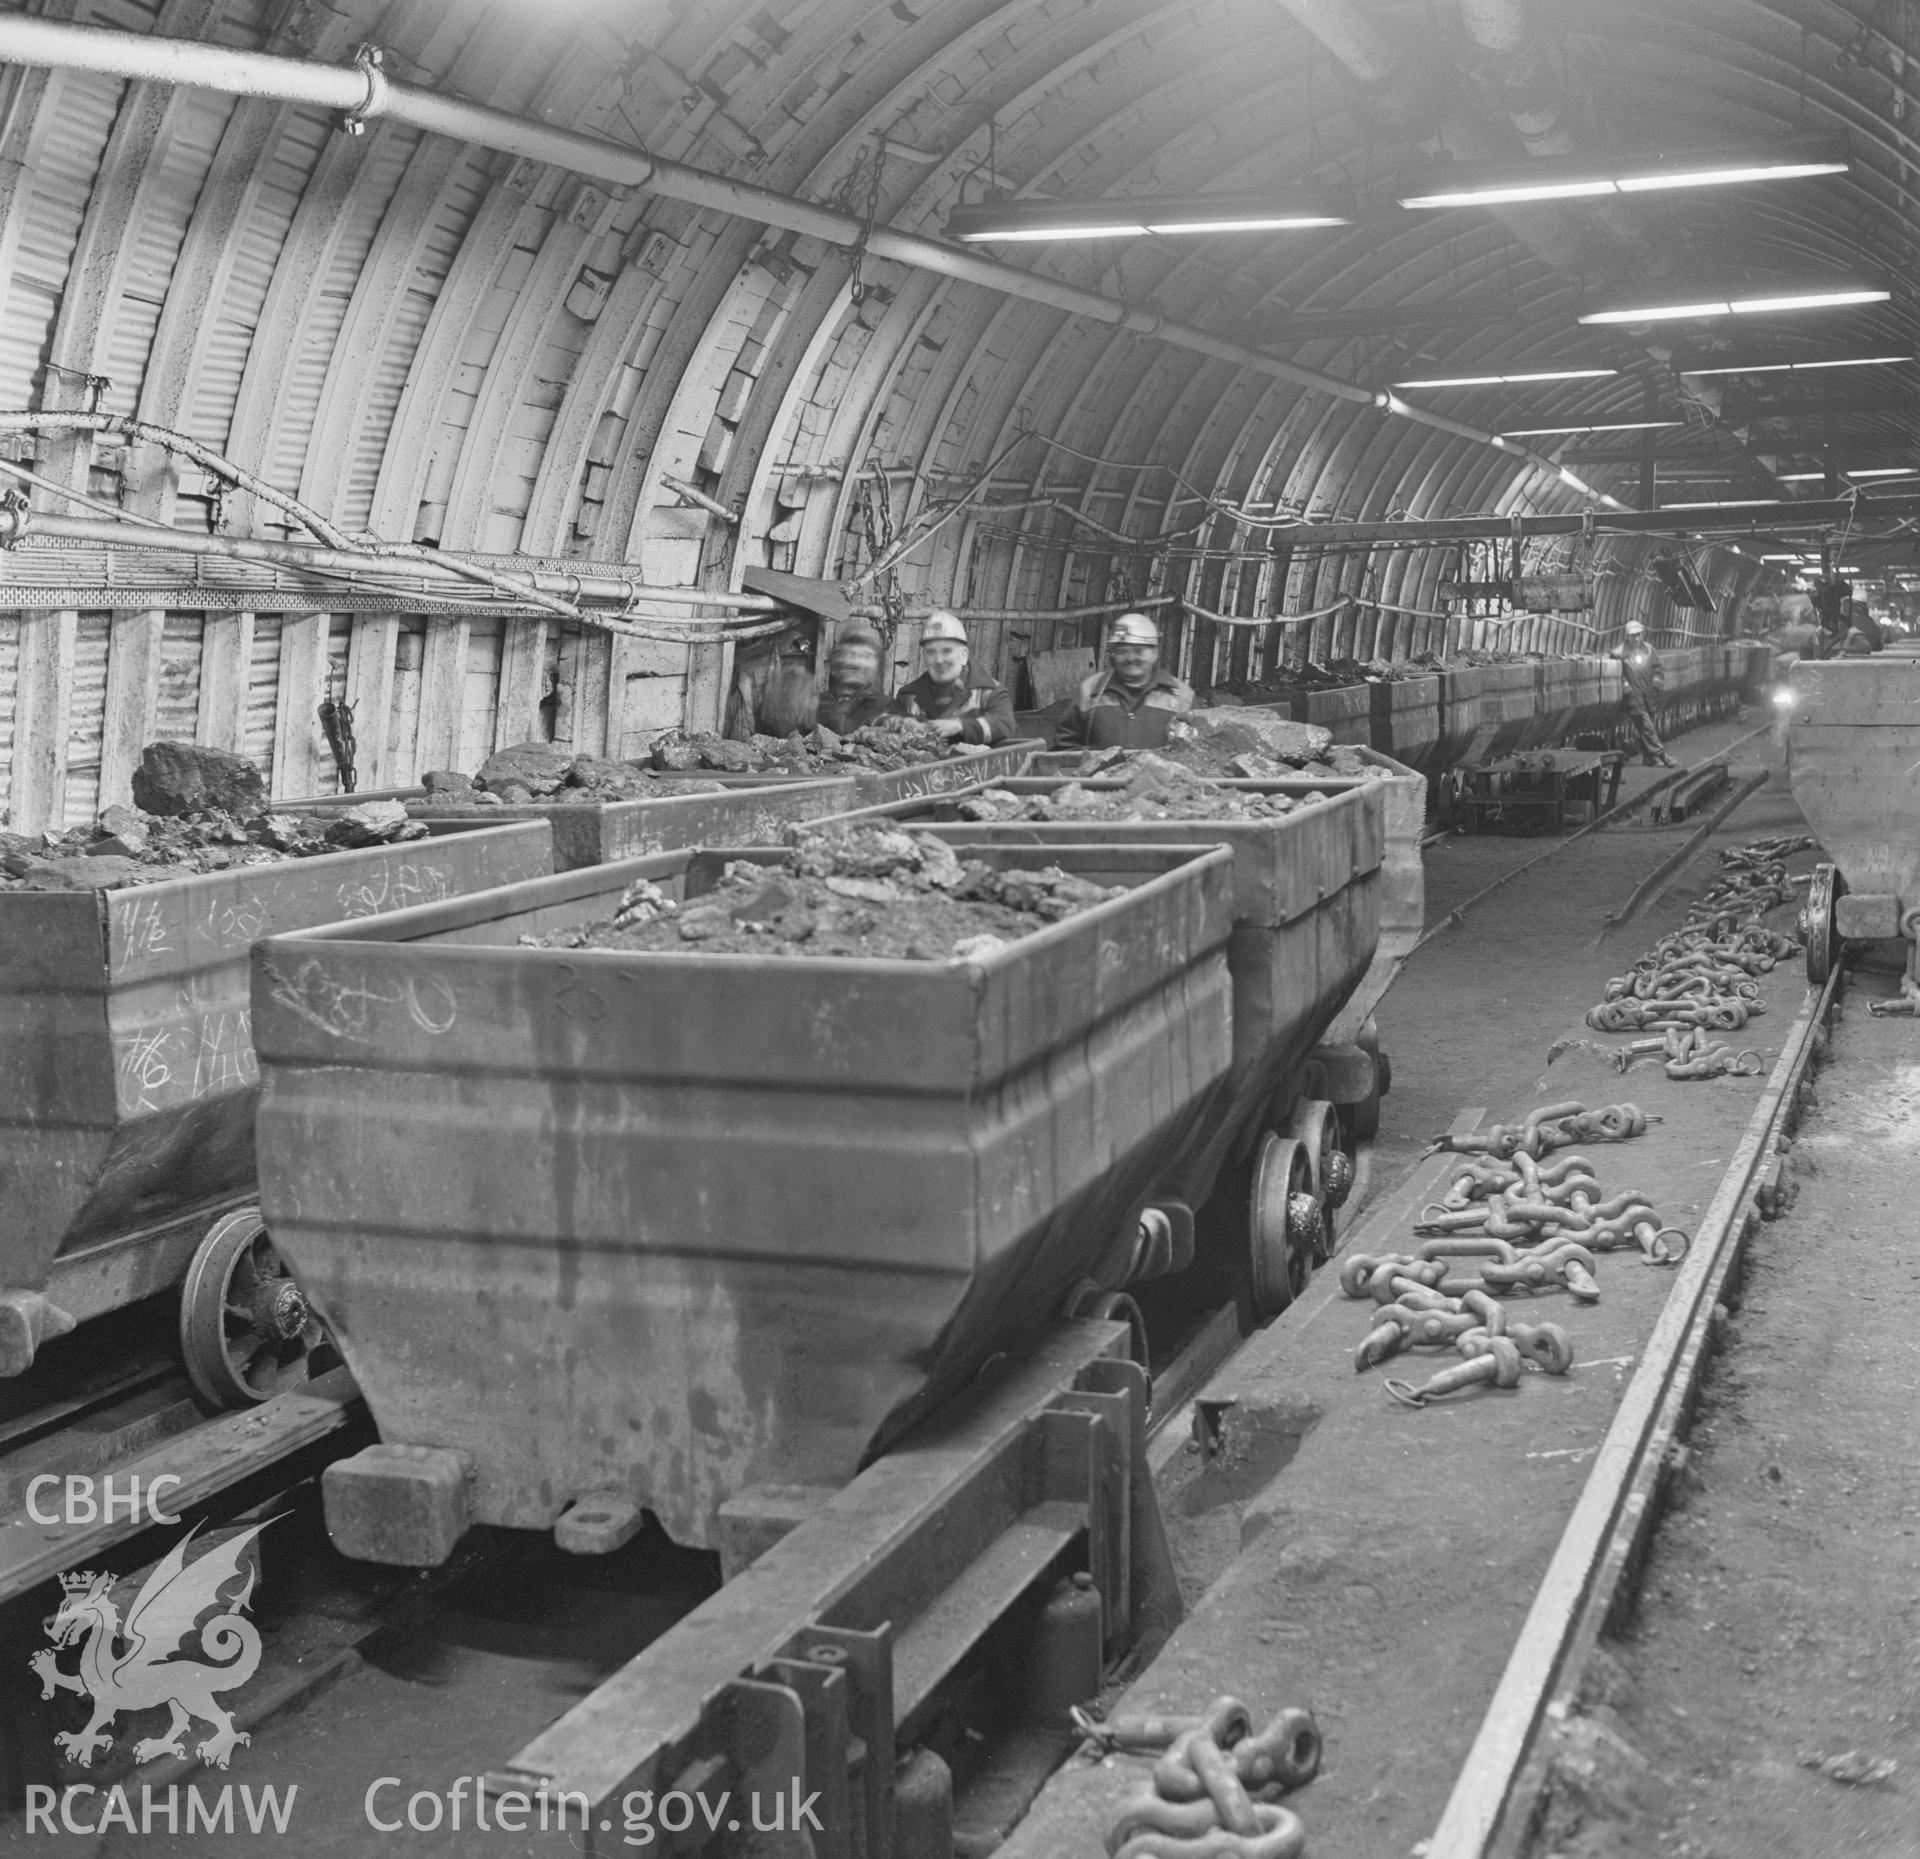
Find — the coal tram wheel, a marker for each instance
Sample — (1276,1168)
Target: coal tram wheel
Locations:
(1817,923)
(1286,1225)
(247,1331)
(1315,1125)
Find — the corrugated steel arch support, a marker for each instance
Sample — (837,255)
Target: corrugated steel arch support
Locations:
(779,392)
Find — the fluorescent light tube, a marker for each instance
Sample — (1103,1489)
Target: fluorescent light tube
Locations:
(1498,380)
(1517,192)
(1796,367)
(1569,177)
(1291,222)
(1548,432)
(1727,177)
(1037,220)
(1854,361)
(1656,312)
(1806,300)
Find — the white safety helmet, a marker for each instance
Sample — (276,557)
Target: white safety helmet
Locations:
(943,625)
(1134,629)
(1636,629)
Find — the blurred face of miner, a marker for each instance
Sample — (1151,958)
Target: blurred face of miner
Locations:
(853,667)
(946,660)
(1133,661)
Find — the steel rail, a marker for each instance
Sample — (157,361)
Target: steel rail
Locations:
(1619,811)
(1617,1505)
(203,1462)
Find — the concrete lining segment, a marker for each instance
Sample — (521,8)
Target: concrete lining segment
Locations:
(1378,1564)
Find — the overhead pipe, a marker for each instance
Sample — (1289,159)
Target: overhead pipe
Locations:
(1731,519)
(363,93)
(536,585)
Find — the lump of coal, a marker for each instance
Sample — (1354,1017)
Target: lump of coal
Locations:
(186,777)
(539,767)
(1210,739)
(374,823)
(868,892)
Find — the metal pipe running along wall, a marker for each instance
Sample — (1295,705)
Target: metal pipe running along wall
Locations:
(363,93)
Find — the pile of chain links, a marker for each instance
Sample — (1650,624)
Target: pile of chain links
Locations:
(1703,978)
(1216,1786)
(1506,1199)
(1421,1306)
(1554,1126)
(1525,1203)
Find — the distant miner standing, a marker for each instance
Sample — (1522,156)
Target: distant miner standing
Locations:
(1645,679)
(964,705)
(1132,703)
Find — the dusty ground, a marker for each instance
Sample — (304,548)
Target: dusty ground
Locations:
(1777,1623)
(1377,1564)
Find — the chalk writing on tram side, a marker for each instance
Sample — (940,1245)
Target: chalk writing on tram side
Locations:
(147,931)
(224,1059)
(392,887)
(344,1009)
(146,1066)
(243,919)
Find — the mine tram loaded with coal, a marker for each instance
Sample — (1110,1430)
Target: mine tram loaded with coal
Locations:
(730,1238)
(128,1078)
(127,1074)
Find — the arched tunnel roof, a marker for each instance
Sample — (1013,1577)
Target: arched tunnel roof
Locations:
(427,339)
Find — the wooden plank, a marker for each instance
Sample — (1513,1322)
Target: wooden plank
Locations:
(133,701)
(709,673)
(370,662)
(226,651)
(302,762)
(43,706)
(443,686)
(585,700)
(523,682)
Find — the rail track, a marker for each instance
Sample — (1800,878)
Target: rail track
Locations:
(240,1467)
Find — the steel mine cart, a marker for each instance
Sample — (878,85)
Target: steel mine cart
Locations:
(754,809)
(1853,757)
(128,1084)
(605,1232)
(1327,903)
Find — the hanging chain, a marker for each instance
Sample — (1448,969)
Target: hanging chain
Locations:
(336,721)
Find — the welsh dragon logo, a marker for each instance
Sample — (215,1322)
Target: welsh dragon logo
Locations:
(132,1666)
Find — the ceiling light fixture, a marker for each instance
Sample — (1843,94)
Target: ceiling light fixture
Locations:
(1569,177)
(1826,297)
(1682,366)
(1548,432)
(1513,380)
(1197,214)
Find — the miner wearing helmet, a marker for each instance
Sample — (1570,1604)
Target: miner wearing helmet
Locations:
(854,695)
(1131,704)
(1645,679)
(964,705)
